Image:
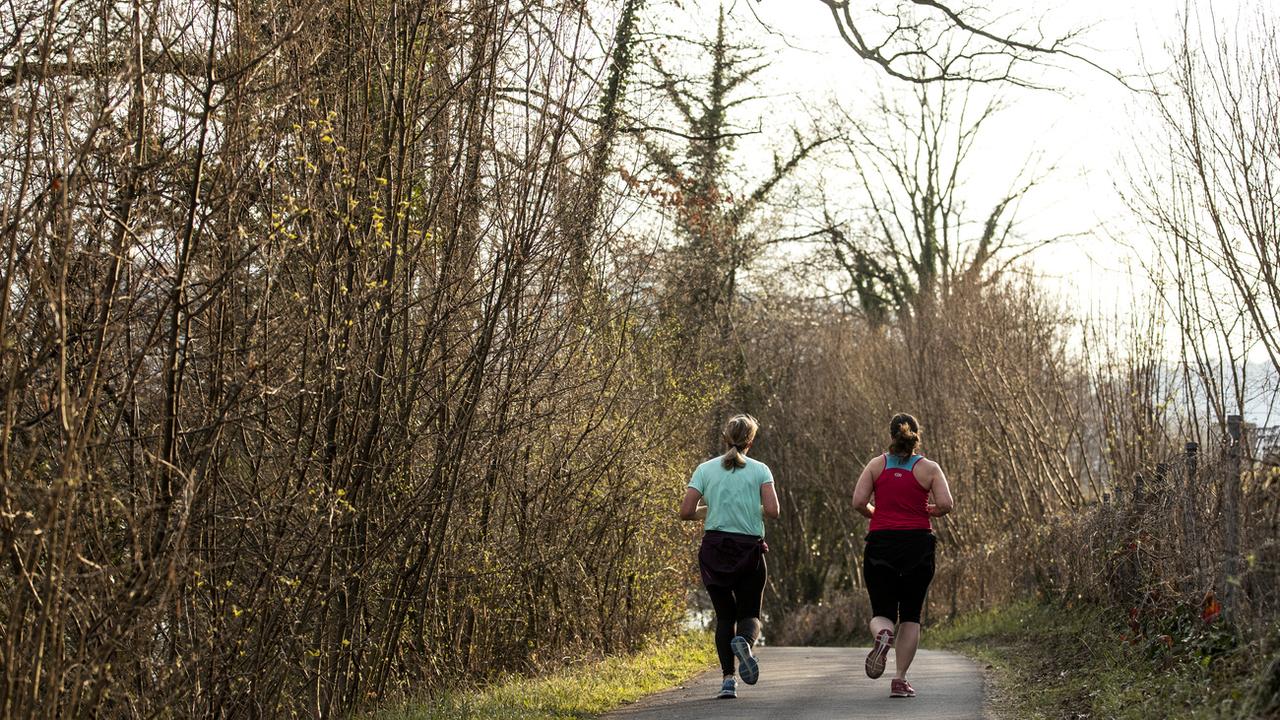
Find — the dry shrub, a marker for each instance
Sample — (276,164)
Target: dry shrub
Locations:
(831,622)
(307,393)
(1166,548)
(988,373)
(1034,430)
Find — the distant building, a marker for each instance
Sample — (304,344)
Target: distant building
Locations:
(1263,443)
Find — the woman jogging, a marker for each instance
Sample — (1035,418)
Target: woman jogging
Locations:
(736,494)
(897,564)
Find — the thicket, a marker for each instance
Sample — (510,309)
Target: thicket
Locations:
(354,347)
(314,380)
(1066,438)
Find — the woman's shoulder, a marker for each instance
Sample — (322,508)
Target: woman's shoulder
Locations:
(759,470)
(929,467)
(710,464)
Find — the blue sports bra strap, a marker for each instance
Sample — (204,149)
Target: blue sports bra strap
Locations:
(897,462)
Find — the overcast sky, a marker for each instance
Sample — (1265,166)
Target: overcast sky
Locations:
(1087,130)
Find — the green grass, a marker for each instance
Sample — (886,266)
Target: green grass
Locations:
(1057,661)
(581,692)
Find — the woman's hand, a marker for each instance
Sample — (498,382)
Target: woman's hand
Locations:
(936,511)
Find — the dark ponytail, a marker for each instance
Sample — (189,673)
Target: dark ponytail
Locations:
(904,435)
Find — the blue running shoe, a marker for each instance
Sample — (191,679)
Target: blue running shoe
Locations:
(728,690)
(748,667)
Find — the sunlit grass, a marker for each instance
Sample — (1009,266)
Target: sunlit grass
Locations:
(581,692)
(1049,660)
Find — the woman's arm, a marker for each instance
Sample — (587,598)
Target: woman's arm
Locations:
(940,491)
(769,501)
(862,491)
(689,507)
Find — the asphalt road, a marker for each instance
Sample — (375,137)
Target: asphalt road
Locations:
(802,683)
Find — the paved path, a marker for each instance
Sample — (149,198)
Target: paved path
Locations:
(800,683)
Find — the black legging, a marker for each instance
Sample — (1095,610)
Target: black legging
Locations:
(738,611)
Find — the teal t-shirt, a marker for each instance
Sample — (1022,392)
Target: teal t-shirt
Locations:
(732,496)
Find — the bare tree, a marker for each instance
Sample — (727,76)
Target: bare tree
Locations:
(927,41)
(917,236)
(713,213)
(1211,206)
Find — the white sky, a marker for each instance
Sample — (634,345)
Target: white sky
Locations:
(1088,130)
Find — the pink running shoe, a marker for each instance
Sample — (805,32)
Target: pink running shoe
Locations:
(901,688)
(876,658)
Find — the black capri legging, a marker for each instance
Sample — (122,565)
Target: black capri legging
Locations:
(737,613)
(734,572)
(897,566)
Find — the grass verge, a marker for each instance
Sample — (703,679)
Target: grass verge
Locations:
(1054,661)
(580,692)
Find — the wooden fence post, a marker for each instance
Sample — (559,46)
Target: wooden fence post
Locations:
(1231,514)
(1159,489)
(1132,568)
(1190,505)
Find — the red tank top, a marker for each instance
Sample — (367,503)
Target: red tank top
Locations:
(899,499)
